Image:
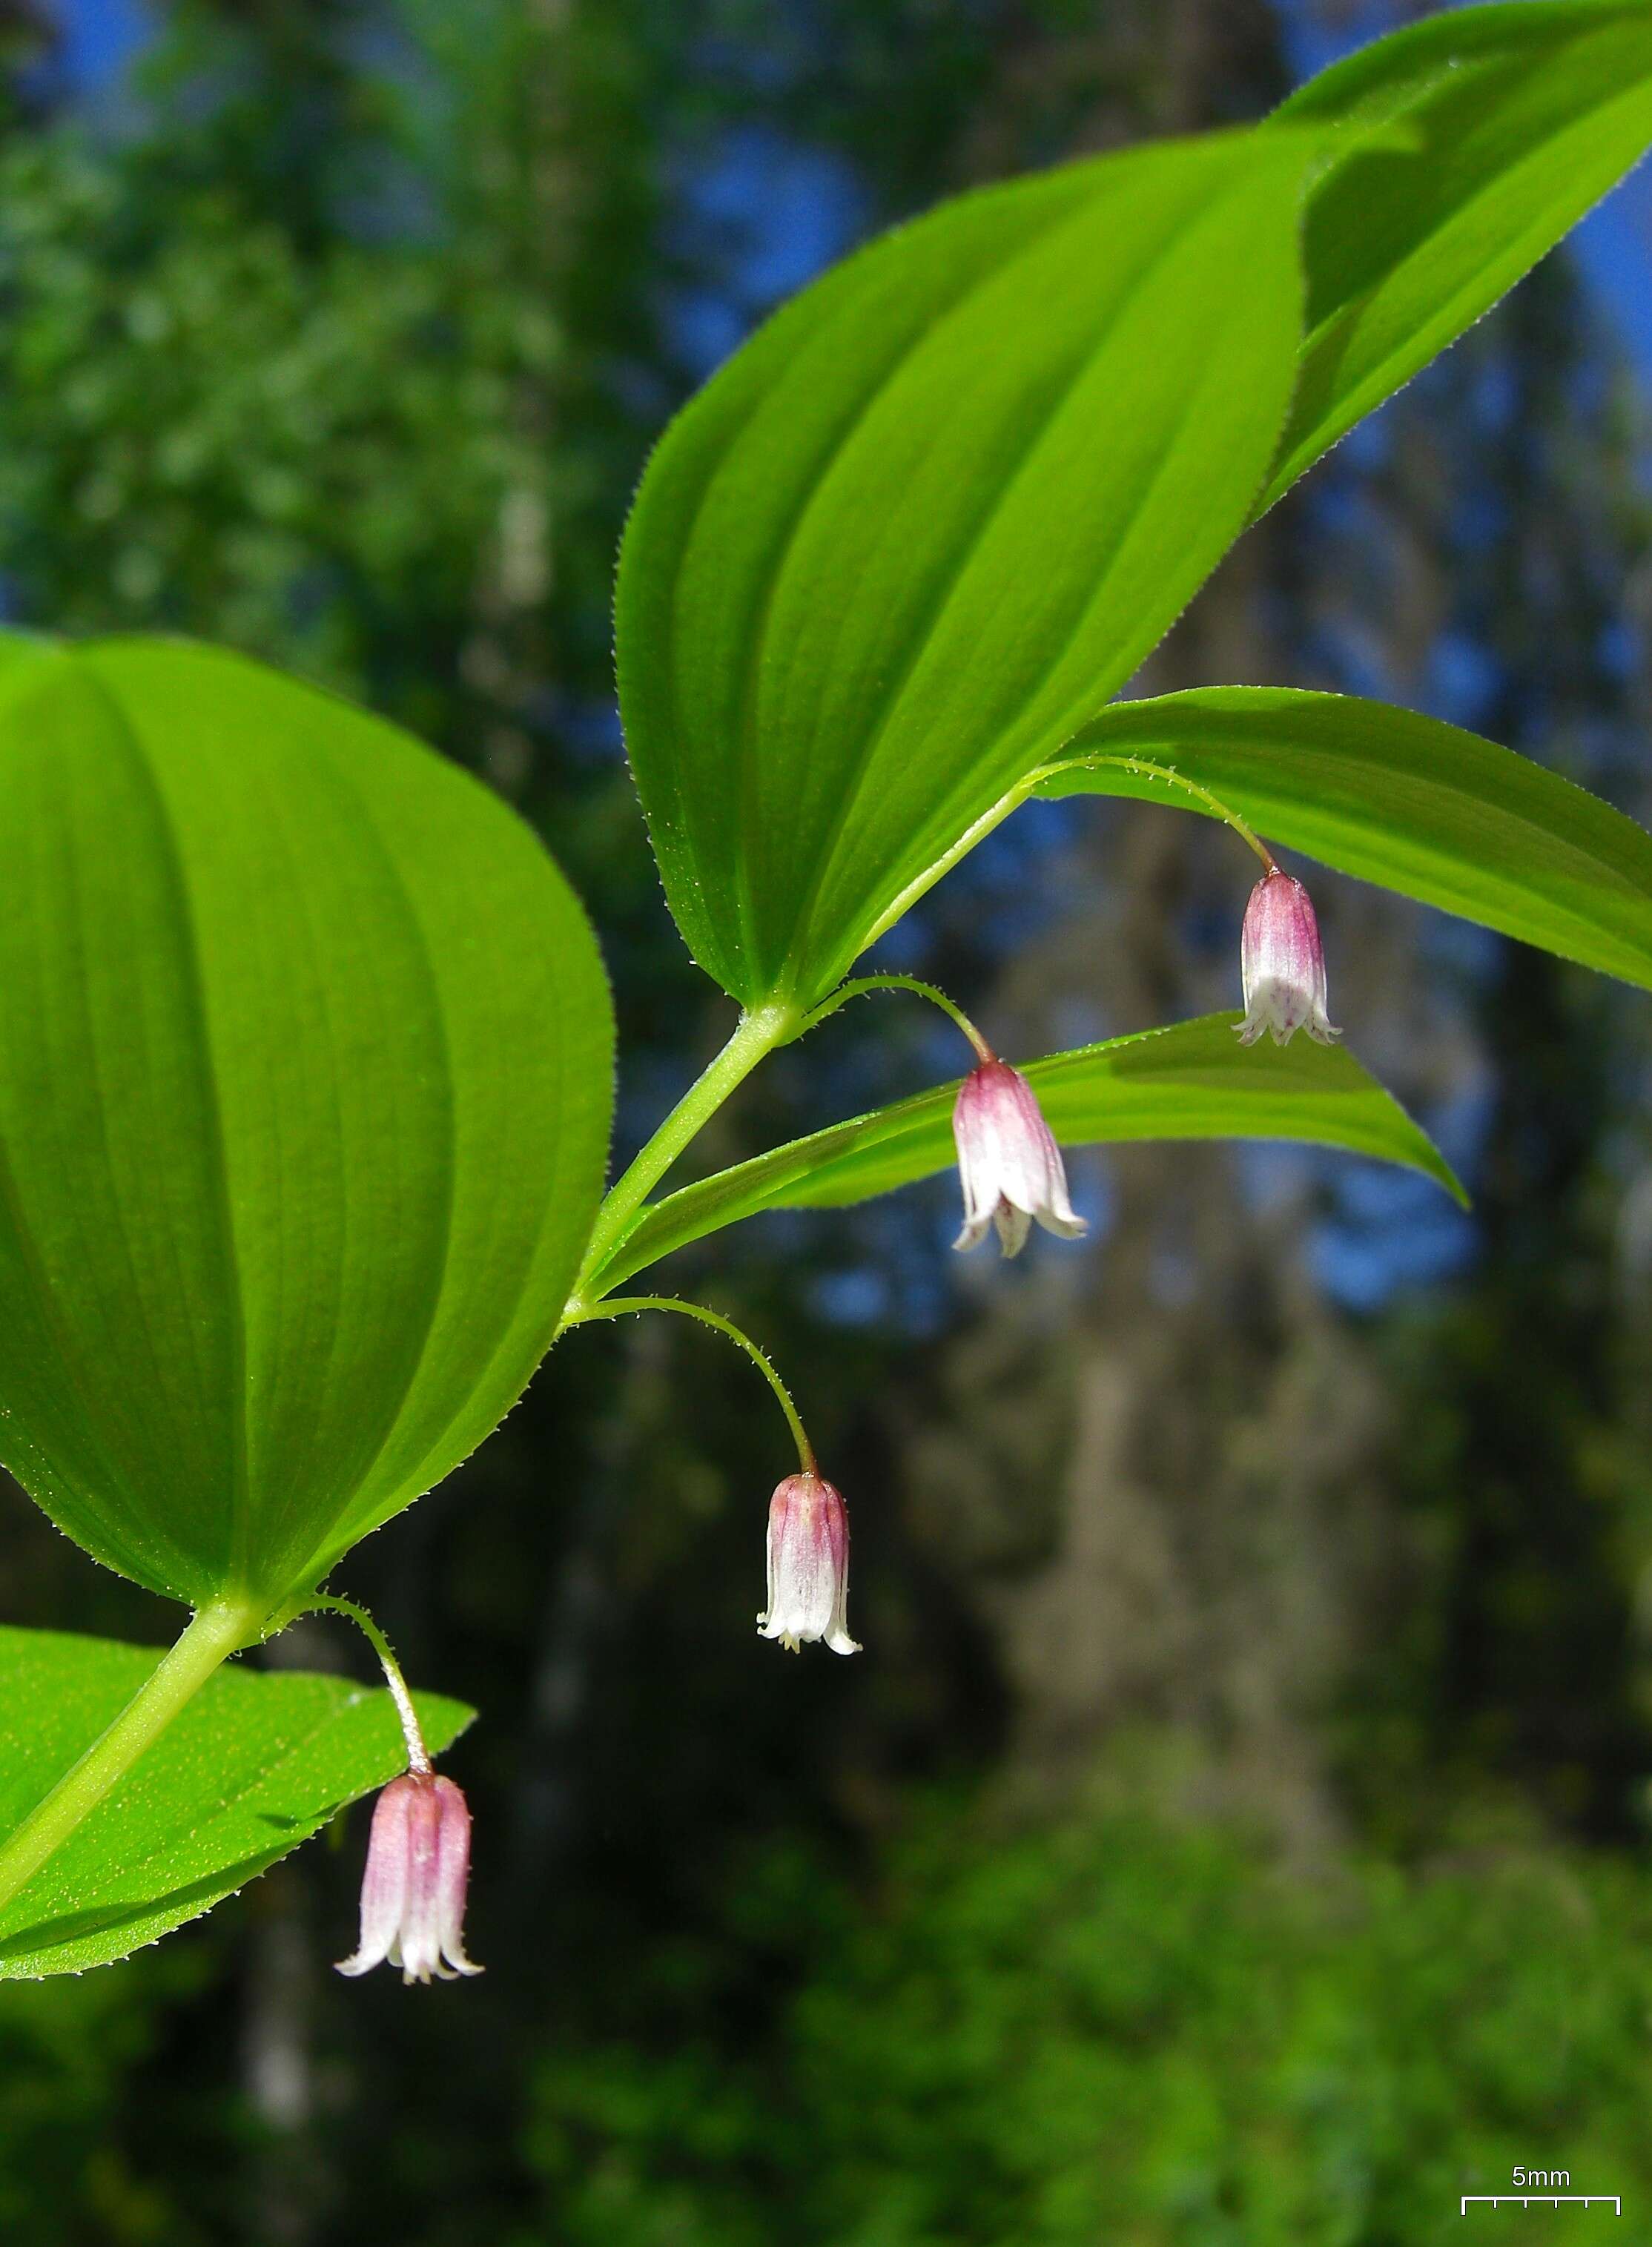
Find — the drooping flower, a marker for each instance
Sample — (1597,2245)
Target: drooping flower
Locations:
(1283,964)
(808,1566)
(1009,1161)
(412,1893)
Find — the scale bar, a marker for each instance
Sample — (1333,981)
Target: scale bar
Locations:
(1612,2200)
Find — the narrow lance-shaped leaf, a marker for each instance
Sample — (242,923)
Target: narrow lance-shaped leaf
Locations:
(1421,806)
(1193,1081)
(305,1079)
(255,1765)
(1518,118)
(930,518)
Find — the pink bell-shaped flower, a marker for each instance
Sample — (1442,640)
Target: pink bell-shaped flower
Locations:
(1009,1161)
(1283,964)
(808,1566)
(412,1893)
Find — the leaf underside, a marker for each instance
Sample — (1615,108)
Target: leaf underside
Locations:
(304,1082)
(931,516)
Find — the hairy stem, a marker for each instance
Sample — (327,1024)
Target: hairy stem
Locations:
(1147,769)
(755,1035)
(863,984)
(619,1306)
(214,1634)
(412,1731)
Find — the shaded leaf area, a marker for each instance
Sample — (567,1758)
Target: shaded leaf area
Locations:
(1421,806)
(1192,1082)
(304,1086)
(1518,120)
(256,1762)
(882,564)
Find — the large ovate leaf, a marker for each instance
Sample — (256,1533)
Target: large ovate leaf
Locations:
(930,518)
(304,1083)
(1193,1081)
(1421,806)
(251,1767)
(1519,117)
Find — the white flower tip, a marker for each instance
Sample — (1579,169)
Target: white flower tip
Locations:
(1065,1228)
(1014,1225)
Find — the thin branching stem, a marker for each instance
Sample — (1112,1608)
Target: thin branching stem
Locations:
(756,1035)
(864,984)
(1146,769)
(620,1306)
(412,1731)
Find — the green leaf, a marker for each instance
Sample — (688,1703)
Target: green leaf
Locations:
(929,519)
(1193,1081)
(1420,807)
(1519,119)
(256,1762)
(305,1084)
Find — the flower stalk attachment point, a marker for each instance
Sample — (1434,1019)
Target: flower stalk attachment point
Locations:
(808,1520)
(1011,1167)
(412,1890)
(1283,964)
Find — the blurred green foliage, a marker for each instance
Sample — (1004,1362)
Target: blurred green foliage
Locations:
(1133,2029)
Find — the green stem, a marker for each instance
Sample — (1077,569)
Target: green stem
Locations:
(1012,799)
(863,984)
(412,1731)
(213,1636)
(921,884)
(617,1306)
(755,1035)
(1148,770)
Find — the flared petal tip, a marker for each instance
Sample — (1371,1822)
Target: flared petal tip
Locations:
(1062,1223)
